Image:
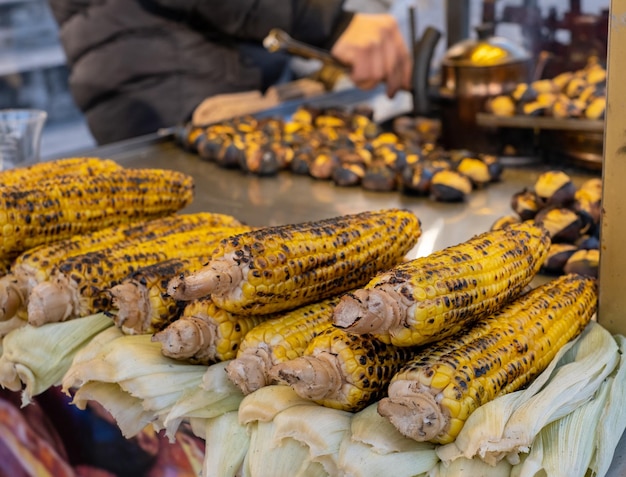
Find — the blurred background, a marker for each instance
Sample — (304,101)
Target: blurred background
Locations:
(33,73)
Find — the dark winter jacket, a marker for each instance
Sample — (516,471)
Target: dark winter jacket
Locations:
(139,65)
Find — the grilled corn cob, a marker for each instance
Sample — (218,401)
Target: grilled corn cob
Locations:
(78,286)
(140,303)
(41,171)
(433,297)
(342,370)
(36,265)
(205,334)
(283,267)
(432,396)
(63,206)
(276,340)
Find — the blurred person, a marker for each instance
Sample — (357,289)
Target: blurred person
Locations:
(140,65)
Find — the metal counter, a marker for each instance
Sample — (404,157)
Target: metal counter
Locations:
(288,198)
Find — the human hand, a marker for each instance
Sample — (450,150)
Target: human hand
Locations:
(373,47)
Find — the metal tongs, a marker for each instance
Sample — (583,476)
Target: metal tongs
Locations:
(279,40)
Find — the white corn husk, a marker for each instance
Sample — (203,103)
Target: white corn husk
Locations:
(264,403)
(214,396)
(470,468)
(373,447)
(86,356)
(612,423)
(508,425)
(320,429)
(359,460)
(36,358)
(369,427)
(127,410)
(567,445)
(226,445)
(269,456)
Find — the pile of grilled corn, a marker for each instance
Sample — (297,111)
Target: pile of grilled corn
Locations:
(348,148)
(321,348)
(570,213)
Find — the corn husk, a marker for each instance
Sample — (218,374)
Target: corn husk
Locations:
(564,448)
(214,396)
(470,468)
(508,425)
(269,456)
(226,445)
(318,428)
(612,423)
(36,358)
(128,411)
(359,460)
(265,403)
(137,366)
(9,325)
(373,446)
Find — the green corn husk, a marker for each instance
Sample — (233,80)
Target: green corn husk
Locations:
(471,468)
(36,358)
(227,444)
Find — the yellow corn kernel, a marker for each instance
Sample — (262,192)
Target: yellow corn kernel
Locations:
(341,370)
(205,333)
(436,296)
(283,267)
(278,339)
(496,356)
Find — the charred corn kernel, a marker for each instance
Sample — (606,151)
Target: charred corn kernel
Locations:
(42,171)
(341,370)
(205,333)
(36,265)
(310,261)
(496,356)
(67,205)
(277,340)
(436,296)
(79,284)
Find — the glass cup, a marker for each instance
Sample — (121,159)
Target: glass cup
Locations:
(20,136)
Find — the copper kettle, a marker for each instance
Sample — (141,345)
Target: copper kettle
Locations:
(472,72)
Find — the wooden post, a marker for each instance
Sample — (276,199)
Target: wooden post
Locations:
(612,280)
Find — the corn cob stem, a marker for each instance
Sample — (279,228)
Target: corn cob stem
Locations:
(283,267)
(341,370)
(205,334)
(11,297)
(433,297)
(140,304)
(218,277)
(276,340)
(433,395)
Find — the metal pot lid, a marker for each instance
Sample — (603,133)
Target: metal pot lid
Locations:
(485,51)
